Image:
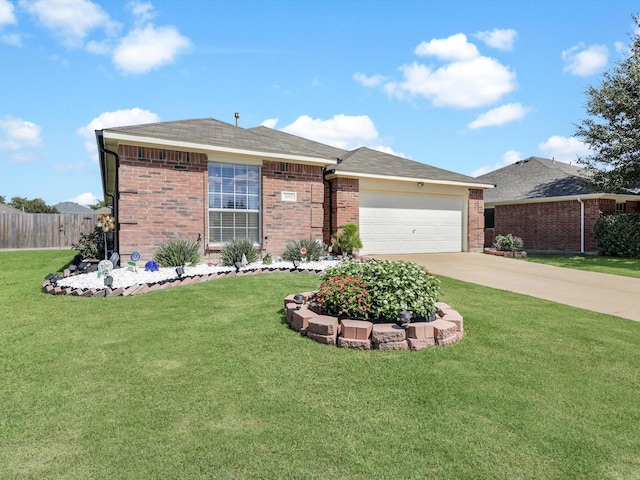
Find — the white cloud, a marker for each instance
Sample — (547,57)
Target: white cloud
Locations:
(583,61)
(99,48)
(119,118)
(142,10)
(465,79)
(270,122)
(497,38)
(454,48)
(564,149)
(469,84)
(499,116)
(12,39)
(372,81)
(149,48)
(341,131)
(69,20)
(6,13)
(389,150)
(86,199)
(510,157)
(20,139)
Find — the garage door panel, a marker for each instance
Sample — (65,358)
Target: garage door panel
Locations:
(410,223)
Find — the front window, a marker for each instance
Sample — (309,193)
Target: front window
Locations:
(234,202)
(621,208)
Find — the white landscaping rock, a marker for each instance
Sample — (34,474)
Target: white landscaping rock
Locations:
(125,276)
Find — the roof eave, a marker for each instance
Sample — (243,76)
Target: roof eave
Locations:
(564,198)
(347,174)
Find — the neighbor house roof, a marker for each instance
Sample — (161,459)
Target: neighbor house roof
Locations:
(4,208)
(71,207)
(535,178)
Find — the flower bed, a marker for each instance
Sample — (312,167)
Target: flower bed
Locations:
(500,253)
(135,281)
(447,328)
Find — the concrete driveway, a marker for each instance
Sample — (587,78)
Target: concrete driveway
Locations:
(599,292)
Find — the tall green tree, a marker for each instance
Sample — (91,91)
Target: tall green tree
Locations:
(98,204)
(2,199)
(36,205)
(612,130)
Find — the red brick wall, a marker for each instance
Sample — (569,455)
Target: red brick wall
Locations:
(475,232)
(552,226)
(345,205)
(284,221)
(161,197)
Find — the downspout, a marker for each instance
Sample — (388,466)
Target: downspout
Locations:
(581,225)
(330,184)
(114,198)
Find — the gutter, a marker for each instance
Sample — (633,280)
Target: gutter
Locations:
(114,203)
(343,173)
(330,183)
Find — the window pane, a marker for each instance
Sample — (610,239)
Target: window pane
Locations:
(234,202)
(253,187)
(253,202)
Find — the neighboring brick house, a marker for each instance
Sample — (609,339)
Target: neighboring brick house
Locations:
(213,181)
(549,205)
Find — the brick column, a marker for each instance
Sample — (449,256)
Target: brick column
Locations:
(475,232)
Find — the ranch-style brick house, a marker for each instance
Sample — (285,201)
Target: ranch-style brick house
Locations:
(549,205)
(213,181)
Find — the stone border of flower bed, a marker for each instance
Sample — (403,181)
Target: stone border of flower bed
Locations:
(448,328)
(500,253)
(51,288)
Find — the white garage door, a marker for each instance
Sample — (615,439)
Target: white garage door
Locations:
(393,222)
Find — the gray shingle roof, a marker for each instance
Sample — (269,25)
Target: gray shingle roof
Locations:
(208,131)
(367,161)
(535,177)
(72,207)
(299,142)
(4,208)
(211,132)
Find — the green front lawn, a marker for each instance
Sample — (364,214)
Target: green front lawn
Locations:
(629,267)
(207,381)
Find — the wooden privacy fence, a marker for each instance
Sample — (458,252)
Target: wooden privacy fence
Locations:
(44,230)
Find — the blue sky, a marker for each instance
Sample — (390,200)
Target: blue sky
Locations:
(468,86)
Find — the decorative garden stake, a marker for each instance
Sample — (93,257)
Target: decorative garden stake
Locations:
(107,223)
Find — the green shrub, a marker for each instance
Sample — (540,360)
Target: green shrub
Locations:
(508,243)
(267,259)
(90,245)
(177,252)
(314,250)
(233,251)
(618,235)
(348,239)
(386,288)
